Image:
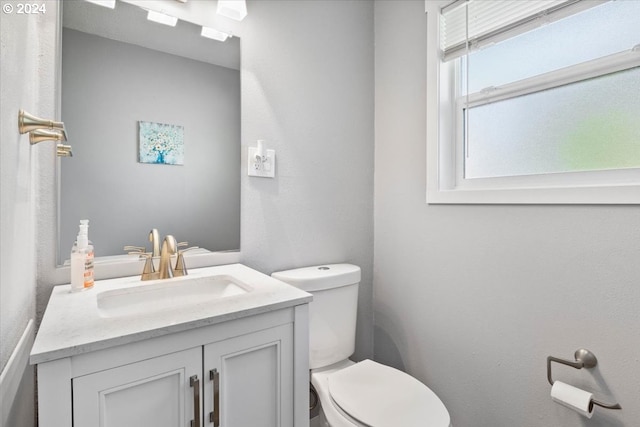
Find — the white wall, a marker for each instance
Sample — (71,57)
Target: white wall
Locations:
(27,43)
(472,299)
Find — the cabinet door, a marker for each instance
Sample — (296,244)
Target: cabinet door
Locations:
(159,392)
(249,380)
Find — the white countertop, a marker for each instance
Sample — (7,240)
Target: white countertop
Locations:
(72,323)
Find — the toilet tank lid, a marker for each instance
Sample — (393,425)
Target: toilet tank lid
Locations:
(320,277)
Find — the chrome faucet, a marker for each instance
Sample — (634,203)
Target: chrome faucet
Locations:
(169,247)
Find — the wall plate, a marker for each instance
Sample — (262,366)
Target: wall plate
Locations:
(264,169)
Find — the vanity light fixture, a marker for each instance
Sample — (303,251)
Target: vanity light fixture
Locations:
(234,9)
(111,4)
(212,33)
(162,18)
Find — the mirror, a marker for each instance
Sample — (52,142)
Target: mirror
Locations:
(119,70)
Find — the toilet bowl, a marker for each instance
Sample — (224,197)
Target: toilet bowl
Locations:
(368,393)
(363,394)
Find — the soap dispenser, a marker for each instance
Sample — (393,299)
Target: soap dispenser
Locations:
(82,276)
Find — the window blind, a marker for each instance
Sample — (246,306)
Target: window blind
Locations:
(472,24)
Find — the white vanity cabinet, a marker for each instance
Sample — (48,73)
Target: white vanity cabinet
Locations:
(238,381)
(241,381)
(228,361)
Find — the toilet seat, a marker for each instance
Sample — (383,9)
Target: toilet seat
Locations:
(376,395)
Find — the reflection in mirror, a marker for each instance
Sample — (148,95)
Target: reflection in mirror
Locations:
(118,71)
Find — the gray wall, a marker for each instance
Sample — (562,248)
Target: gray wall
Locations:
(107,87)
(307,88)
(469,299)
(28,43)
(472,299)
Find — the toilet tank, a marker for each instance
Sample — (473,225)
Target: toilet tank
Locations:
(332,313)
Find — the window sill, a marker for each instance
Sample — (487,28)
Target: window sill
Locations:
(605,195)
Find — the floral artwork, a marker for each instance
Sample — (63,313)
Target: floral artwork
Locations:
(161,143)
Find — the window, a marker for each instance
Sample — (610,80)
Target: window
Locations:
(537,101)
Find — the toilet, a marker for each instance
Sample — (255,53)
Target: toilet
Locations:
(363,394)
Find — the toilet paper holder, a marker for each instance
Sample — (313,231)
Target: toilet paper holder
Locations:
(583,359)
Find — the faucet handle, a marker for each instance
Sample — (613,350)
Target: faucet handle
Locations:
(135,250)
(149,270)
(181,267)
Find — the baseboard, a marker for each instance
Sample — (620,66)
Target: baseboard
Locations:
(14,370)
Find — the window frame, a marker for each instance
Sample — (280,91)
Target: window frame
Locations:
(445,151)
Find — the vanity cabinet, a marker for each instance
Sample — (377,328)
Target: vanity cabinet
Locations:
(115,356)
(242,374)
(242,381)
(155,392)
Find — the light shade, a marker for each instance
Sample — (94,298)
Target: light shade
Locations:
(161,18)
(105,3)
(212,33)
(234,9)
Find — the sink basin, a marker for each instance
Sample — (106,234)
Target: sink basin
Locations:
(169,294)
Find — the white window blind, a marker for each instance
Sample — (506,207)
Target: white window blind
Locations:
(471,24)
